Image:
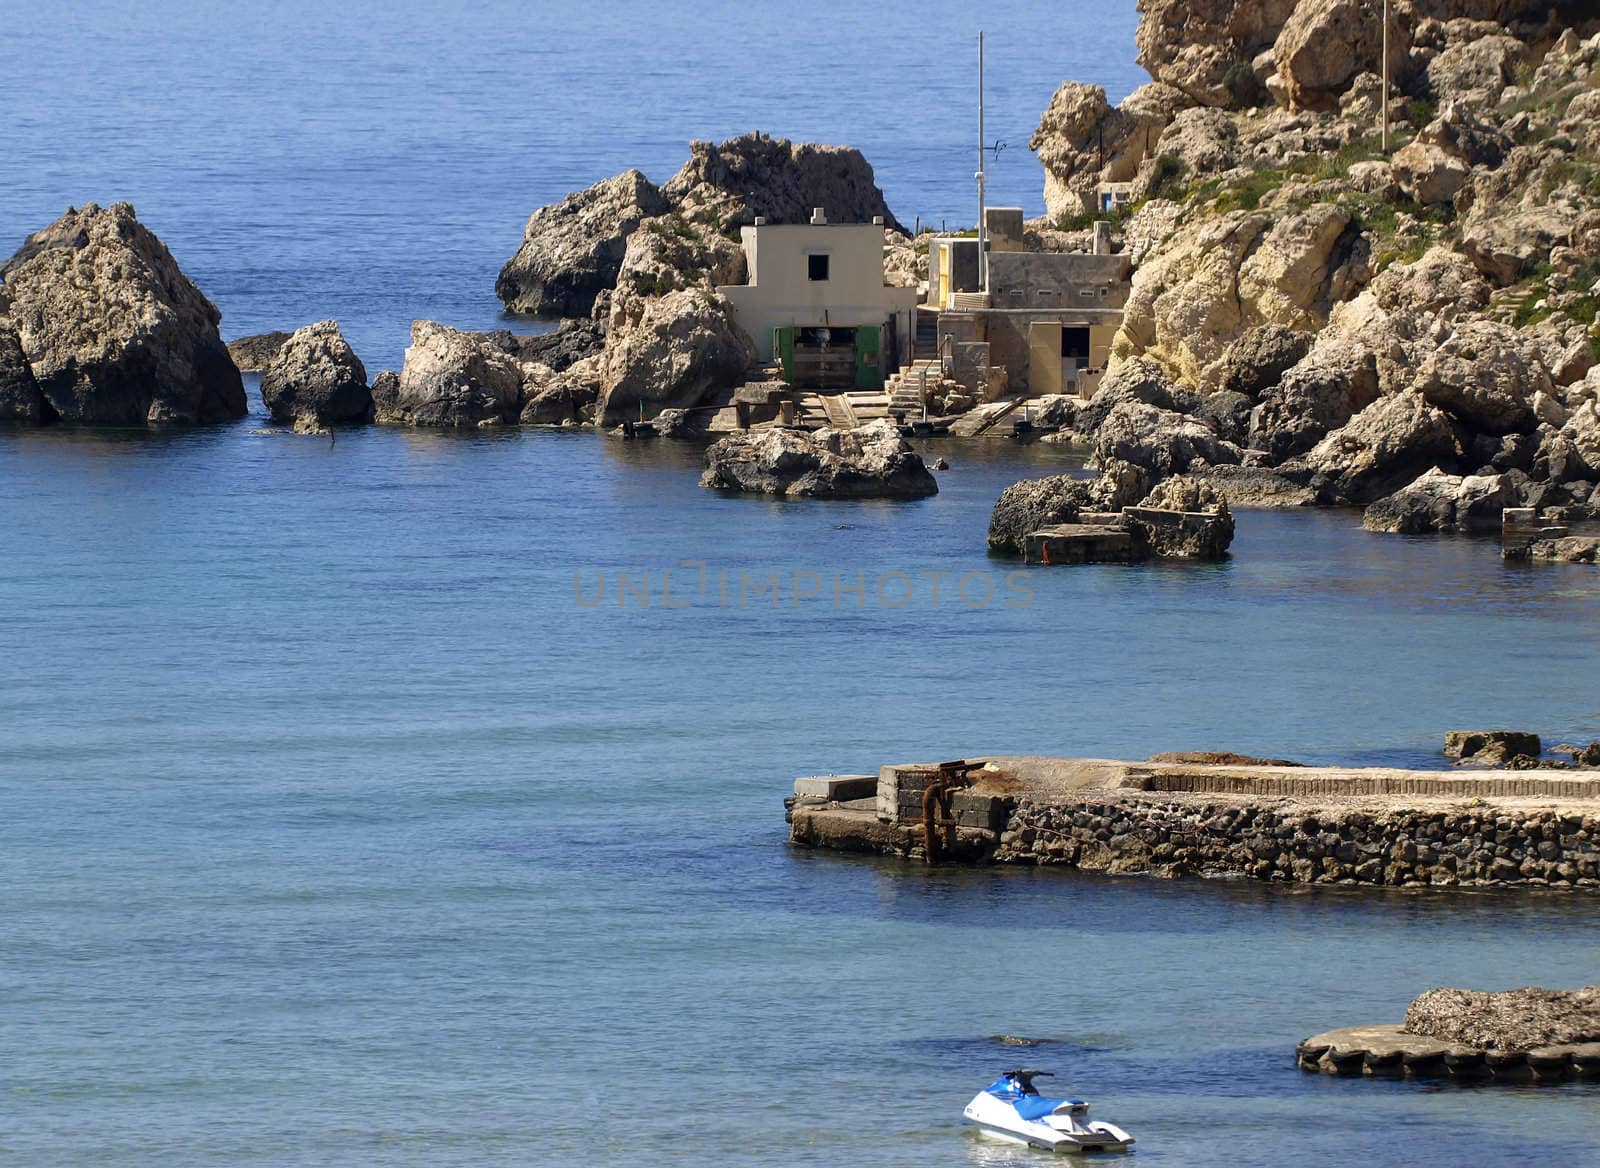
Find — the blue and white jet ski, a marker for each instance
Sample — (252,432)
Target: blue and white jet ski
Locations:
(1011,1109)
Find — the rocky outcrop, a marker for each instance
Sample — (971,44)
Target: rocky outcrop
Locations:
(1034,503)
(1082,141)
(114,332)
(1491,747)
(451,379)
(872,462)
(316,377)
(1183,518)
(1217,279)
(728,184)
(1436,501)
(254,353)
(20,399)
(572,251)
(1510,1020)
(669,352)
(1259,358)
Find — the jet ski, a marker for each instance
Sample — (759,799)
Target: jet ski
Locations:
(1011,1108)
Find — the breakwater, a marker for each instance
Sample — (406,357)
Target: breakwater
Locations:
(1311,825)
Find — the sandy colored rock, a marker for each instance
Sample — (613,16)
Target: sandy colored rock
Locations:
(452,379)
(870,462)
(316,376)
(1163,442)
(113,330)
(1082,141)
(1386,445)
(1203,47)
(1486,374)
(1323,46)
(669,352)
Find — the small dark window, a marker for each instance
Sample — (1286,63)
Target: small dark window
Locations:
(817,267)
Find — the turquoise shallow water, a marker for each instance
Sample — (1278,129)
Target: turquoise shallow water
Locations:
(333,829)
(337,831)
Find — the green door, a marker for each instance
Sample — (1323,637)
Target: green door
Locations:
(783,351)
(869,373)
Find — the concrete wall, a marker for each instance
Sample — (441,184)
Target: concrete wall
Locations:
(1066,282)
(780,292)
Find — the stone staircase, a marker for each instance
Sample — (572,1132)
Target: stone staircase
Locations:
(905,388)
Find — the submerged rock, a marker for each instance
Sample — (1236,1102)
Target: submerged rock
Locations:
(872,462)
(113,330)
(1490,746)
(317,377)
(1510,1020)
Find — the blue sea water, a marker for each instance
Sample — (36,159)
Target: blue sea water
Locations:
(335,827)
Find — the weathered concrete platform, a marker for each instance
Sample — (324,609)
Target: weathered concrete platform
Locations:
(1387,1051)
(1315,825)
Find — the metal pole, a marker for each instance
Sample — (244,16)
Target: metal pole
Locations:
(1386,76)
(983,231)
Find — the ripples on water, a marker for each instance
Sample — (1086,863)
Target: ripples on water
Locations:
(333,831)
(336,831)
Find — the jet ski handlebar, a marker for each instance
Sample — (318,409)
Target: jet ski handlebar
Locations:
(1027,1075)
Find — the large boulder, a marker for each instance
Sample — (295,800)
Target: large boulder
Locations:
(1386,445)
(1572,452)
(114,332)
(1510,1020)
(571,251)
(1142,379)
(1204,140)
(1486,374)
(1034,503)
(1475,71)
(1319,393)
(316,377)
(1506,245)
(452,379)
(728,185)
(1325,44)
(20,399)
(1204,47)
(1163,442)
(872,462)
(669,352)
(1437,501)
(1260,357)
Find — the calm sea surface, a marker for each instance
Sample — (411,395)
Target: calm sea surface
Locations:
(335,829)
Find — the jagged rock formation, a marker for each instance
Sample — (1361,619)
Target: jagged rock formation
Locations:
(872,462)
(572,251)
(113,331)
(669,352)
(316,378)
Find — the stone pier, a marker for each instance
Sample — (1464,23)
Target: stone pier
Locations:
(1313,825)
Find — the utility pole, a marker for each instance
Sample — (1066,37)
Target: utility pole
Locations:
(983,231)
(1386,76)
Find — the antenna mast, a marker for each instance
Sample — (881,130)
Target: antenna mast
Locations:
(983,231)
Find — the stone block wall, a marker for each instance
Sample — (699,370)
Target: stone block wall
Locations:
(1291,842)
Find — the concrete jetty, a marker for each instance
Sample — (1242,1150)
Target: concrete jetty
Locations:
(1389,1052)
(1261,819)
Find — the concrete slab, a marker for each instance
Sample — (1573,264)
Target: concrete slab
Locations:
(836,788)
